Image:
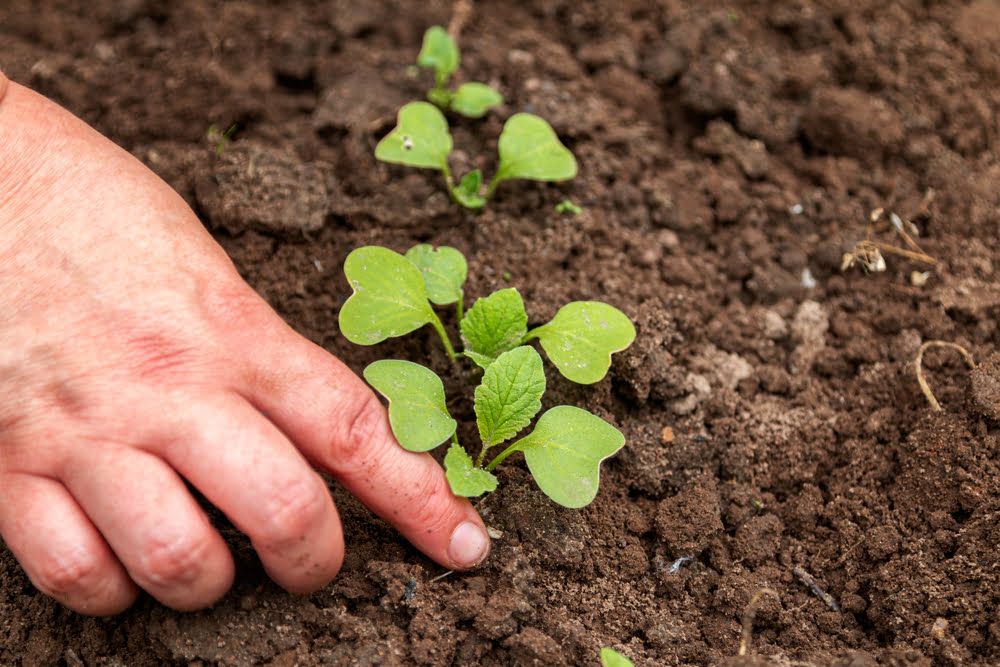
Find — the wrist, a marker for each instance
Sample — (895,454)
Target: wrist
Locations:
(4,84)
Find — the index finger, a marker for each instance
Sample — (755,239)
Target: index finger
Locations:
(339,425)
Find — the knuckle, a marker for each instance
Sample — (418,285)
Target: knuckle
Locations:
(63,574)
(292,509)
(431,504)
(154,355)
(366,429)
(233,305)
(171,561)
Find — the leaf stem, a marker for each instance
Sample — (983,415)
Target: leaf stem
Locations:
(460,307)
(503,455)
(448,347)
(494,182)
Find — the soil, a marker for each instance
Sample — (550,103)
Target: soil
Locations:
(774,423)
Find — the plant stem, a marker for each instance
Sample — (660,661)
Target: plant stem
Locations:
(448,347)
(482,455)
(502,455)
(493,186)
(460,307)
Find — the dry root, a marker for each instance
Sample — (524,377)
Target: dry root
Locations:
(924,387)
(749,614)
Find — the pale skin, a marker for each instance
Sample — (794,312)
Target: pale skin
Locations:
(133,357)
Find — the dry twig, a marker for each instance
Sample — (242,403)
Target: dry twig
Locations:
(749,614)
(924,387)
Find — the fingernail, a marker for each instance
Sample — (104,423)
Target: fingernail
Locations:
(469,545)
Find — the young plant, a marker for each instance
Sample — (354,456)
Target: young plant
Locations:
(528,147)
(395,294)
(440,53)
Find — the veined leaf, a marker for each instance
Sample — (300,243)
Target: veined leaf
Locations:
(581,338)
(494,325)
(417,410)
(444,271)
(464,478)
(565,451)
(420,138)
(509,395)
(389,297)
(529,148)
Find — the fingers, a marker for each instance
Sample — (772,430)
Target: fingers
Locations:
(152,523)
(339,424)
(61,551)
(247,468)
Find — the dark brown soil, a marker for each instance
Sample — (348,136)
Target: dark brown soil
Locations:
(725,147)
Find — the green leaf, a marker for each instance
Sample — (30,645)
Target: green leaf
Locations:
(441,97)
(464,478)
(420,138)
(529,148)
(509,395)
(565,451)
(474,99)
(494,324)
(440,52)
(467,191)
(444,271)
(612,658)
(567,206)
(480,360)
(417,411)
(581,338)
(389,296)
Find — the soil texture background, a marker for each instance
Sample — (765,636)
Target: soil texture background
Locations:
(731,153)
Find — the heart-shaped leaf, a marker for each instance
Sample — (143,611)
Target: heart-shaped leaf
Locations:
(444,271)
(581,338)
(494,325)
(420,138)
(565,451)
(529,148)
(389,297)
(466,192)
(509,395)
(464,478)
(417,411)
(474,99)
(440,52)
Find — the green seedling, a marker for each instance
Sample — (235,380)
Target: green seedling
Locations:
(566,206)
(395,294)
(528,148)
(220,138)
(440,53)
(612,658)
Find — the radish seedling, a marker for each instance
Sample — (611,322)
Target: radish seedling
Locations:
(440,53)
(528,148)
(393,295)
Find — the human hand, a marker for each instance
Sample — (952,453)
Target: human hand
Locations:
(133,357)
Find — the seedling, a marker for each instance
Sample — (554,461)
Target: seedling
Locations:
(440,53)
(395,294)
(612,658)
(567,206)
(220,138)
(528,147)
